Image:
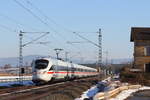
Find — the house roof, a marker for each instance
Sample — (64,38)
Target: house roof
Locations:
(140,33)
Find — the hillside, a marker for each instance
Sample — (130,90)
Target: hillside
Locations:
(28,59)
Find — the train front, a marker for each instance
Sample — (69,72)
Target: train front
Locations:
(41,71)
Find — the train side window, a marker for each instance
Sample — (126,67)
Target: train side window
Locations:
(82,70)
(79,69)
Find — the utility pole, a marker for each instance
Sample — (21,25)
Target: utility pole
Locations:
(57,52)
(100,49)
(106,58)
(20,56)
(66,56)
(21,45)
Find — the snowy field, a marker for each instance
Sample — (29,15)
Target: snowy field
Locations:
(9,84)
(11,80)
(4,79)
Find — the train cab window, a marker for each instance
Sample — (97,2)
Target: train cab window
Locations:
(41,64)
(52,68)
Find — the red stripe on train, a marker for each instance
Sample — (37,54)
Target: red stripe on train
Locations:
(71,72)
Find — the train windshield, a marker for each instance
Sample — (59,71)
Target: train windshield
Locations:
(41,64)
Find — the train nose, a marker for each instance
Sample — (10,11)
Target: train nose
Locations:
(41,76)
(37,76)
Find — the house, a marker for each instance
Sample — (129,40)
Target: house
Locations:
(141,38)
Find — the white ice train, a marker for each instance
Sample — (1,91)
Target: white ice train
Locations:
(48,69)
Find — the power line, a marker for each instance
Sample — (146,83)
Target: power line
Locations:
(40,11)
(76,42)
(34,15)
(21,45)
(7,28)
(45,16)
(49,19)
(30,12)
(86,39)
(45,23)
(38,18)
(34,39)
(15,21)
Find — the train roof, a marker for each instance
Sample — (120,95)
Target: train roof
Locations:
(56,61)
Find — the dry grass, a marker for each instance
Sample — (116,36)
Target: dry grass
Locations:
(135,78)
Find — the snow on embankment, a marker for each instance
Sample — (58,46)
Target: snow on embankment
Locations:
(126,93)
(111,90)
(101,86)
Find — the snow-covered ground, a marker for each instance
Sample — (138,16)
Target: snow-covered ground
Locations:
(101,86)
(9,84)
(12,77)
(89,93)
(106,85)
(4,79)
(126,93)
(11,80)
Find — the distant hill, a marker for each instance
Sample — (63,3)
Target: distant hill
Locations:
(28,59)
(121,61)
(15,60)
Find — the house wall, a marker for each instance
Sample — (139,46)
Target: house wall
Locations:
(140,59)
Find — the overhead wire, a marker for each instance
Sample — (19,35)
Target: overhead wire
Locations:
(21,25)
(86,39)
(35,39)
(33,14)
(7,28)
(38,18)
(47,17)
(68,30)
(45,23)
(76,33)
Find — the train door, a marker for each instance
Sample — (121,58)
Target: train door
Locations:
(72,70)
(67,76)
(56,70)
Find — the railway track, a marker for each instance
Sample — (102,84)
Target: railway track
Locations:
(60,91)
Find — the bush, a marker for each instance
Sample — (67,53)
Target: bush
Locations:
(128,75)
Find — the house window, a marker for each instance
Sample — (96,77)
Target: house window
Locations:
(147,51)
(147,67)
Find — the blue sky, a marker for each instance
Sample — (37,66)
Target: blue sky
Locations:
(114,17)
